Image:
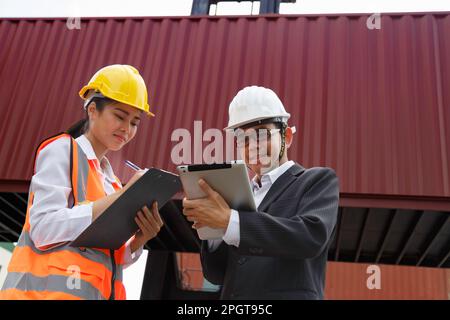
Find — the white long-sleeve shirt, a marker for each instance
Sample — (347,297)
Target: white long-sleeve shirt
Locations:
(232,234)
(53,219)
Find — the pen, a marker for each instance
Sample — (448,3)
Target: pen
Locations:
(132,165)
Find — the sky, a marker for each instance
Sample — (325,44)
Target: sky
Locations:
(133,277)
(99,8)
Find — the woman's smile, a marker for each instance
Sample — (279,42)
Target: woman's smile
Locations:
(120,138)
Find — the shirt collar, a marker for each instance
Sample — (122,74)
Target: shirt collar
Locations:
(86,146)
(271,176)
(88,150)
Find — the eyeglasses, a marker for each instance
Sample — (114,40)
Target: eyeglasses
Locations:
(254,136)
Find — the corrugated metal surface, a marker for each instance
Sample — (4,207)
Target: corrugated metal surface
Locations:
(373,104)
(190,271)
(349,281)
(448,283)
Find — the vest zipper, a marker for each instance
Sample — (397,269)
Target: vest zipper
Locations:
(113,277)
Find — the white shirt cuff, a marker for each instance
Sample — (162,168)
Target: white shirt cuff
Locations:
(232,235)
(214,244)
(130,258)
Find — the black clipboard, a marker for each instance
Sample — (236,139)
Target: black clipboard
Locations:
(177,234)
(116,225)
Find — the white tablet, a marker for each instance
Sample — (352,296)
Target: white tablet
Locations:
(230,180)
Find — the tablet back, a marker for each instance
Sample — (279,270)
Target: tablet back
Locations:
(231,181)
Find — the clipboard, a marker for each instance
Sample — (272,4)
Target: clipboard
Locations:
(177,234)
(116,225)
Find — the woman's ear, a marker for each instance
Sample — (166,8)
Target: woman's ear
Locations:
(91,110)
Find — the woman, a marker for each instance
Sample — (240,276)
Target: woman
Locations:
(73,183)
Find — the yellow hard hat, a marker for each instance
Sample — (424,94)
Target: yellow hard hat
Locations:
(122,83)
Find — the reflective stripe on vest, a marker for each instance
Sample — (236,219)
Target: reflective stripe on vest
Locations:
(65,272)
(53,283)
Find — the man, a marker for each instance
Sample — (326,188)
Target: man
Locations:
(280,250)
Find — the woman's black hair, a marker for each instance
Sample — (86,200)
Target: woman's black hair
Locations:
(82,126)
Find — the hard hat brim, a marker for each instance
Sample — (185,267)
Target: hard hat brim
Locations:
(86,88)
(284,116)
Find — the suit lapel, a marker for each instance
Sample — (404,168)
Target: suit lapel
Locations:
(280,185)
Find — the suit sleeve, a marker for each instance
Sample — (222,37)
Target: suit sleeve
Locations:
(214,263)
(305,233)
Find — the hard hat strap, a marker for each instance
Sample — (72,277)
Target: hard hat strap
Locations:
(283,139)
(95,95)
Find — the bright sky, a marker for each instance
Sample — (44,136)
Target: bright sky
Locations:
(97,8)
(133,277)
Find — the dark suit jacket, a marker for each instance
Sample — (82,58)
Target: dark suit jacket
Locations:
(283,247)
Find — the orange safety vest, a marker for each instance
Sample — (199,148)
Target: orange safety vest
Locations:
(66,272)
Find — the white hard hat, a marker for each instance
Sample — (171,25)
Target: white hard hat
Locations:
(254,103)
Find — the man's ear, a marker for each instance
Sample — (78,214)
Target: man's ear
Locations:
(289,136)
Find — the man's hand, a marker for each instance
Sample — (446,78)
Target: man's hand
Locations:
(211,211)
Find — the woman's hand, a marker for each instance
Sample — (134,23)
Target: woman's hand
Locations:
(133,179)
(149,225)
(102,204)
